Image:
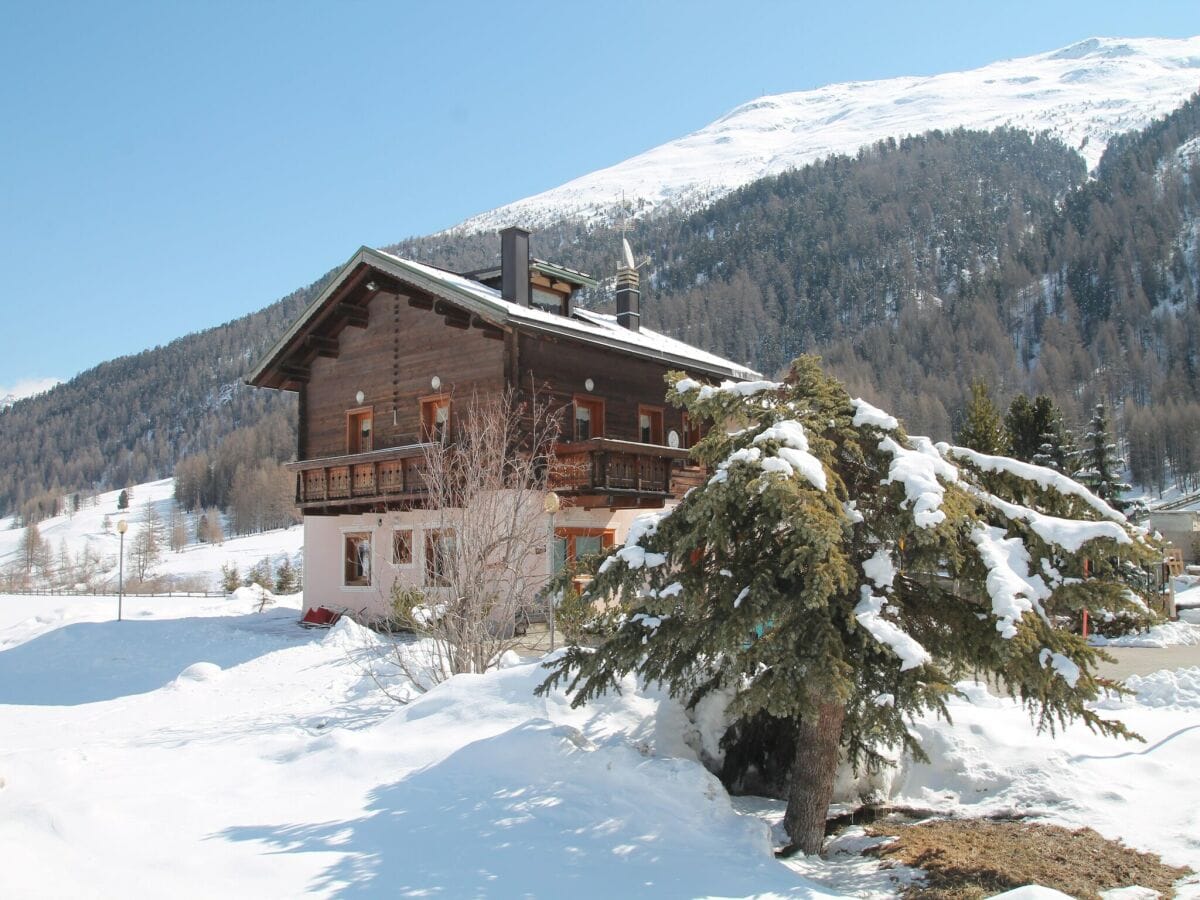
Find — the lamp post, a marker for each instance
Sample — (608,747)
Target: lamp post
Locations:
(551,504)
(122,527)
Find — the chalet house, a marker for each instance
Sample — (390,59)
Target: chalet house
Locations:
(381,358)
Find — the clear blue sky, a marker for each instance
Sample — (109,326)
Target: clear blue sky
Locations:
(168,166)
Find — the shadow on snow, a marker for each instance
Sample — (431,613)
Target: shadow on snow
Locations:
(85,662)
(541,811)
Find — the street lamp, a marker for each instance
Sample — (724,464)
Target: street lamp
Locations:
(551,504)
(122,527)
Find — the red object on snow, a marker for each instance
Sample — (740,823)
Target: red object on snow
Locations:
(319,617)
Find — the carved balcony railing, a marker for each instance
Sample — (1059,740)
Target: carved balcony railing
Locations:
(600,467)
(394,474)
(612,467)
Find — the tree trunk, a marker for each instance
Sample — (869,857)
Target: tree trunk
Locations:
(818,748)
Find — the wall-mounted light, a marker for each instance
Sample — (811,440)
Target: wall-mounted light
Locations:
(359,398)
(589,385)
(372,286)
(435,382)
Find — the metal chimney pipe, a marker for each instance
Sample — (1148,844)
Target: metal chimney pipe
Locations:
(514,266)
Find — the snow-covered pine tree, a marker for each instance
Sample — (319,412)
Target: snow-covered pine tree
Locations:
(837,577)
(1099,465)
(983,429)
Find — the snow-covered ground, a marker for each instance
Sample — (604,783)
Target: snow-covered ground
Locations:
(1083,94)
(94,529)
(202,748)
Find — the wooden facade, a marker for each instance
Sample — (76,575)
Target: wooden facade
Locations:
(380,353)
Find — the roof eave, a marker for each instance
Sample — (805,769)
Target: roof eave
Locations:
(615,343)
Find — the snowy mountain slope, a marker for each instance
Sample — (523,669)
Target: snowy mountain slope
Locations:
(91,532)
(1084,94)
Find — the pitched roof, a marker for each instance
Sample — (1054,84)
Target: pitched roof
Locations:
(479,299)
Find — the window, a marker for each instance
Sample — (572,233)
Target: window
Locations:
(692,433)
(358,430)
(357,555)
(439,557)
(402,547)
(589,418)
(435,417)
(571,544)
(650,424)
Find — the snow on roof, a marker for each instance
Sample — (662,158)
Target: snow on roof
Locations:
(583,324)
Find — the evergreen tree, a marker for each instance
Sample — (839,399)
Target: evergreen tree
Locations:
(287,581)
(260,574)
(837,577)
(123,499)
(231,580)
(983,430)
(1028,423)
(1099,465)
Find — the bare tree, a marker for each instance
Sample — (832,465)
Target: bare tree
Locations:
(177,528)
(146,549)
(485,560)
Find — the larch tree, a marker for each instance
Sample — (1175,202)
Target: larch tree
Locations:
(835,577)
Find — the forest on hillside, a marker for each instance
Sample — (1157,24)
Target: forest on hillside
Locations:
(915,267)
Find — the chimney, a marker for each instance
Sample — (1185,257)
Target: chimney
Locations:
(629,298)
(514,265)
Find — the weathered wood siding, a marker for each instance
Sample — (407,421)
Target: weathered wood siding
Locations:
(392,361)
(560,369)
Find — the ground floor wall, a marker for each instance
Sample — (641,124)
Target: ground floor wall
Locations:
(355,561)
(1181,529)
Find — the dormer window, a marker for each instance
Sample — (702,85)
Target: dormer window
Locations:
(550,301)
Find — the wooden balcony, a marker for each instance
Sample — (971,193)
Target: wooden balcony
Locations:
(600,471)
(623,469)
(361,480)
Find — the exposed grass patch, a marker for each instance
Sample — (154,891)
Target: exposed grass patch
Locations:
(965,859)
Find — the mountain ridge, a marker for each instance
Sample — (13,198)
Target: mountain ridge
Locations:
(1083,94)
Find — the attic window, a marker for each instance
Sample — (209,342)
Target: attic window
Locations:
(550,301)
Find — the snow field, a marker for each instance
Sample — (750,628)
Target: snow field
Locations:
(204,748)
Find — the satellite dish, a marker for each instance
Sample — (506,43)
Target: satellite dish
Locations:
(628,254)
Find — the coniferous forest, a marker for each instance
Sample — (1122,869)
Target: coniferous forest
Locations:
(915,268)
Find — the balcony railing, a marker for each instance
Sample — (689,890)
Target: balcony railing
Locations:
(600,466)
(393,474)
(607,466)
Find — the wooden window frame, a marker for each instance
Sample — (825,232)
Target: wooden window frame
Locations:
(363,581)
(689,429)
(353,434)
(429,405)
(595,405)
(407,563)
(652,411)
(608,539)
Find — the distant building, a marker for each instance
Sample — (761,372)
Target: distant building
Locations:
(1182,528)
